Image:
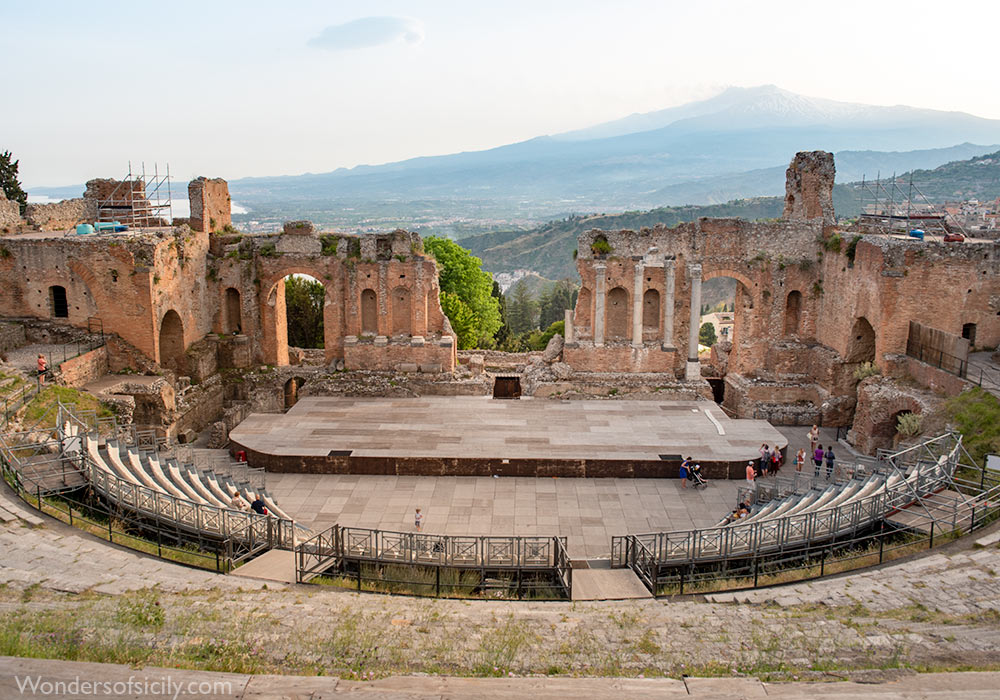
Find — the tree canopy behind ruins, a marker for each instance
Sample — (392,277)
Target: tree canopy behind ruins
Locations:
(466,293)
(9,182)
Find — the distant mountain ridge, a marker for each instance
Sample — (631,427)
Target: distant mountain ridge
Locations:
(548,249)
(733,145)
(742,129)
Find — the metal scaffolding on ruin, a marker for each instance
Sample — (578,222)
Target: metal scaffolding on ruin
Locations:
(889,206)
(141,199)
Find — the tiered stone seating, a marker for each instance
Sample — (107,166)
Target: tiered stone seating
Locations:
(136,477)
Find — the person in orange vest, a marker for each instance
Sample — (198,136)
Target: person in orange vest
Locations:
(42,366)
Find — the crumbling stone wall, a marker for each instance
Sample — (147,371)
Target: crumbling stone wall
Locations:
(10,214)
(59,216)
(812,301)
(211,207)
(809,187)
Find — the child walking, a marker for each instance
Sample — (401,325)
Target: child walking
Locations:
(418,520)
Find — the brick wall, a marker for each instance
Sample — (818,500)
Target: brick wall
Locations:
(84,368)
(211,207)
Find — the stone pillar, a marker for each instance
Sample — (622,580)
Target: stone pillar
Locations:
(693,366)
(568,326)
(600,294)
(668,305)
(637,305)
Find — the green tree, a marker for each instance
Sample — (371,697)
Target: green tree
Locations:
(9,182)
(503,333)
(554,302)
(466,293)
(706,334)
(522,310)
(304,302)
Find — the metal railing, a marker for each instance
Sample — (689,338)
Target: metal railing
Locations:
(980,375)
(337,547)
(753,538)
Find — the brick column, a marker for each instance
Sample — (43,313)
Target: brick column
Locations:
(668,305)
(693,366)
(600,294)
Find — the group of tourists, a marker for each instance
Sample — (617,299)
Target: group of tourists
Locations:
(241,504)
(741,510)
(819,455)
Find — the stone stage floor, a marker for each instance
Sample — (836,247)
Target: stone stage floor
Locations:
(475,427)
(587,511)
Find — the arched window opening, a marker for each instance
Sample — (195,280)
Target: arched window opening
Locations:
(793,313)
(617,314)
(369,312)
(172,342)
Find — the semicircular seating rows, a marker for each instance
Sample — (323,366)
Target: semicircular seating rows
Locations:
(823,512)
(152,485)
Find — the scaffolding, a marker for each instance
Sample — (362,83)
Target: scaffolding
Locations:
(888,206)
(140,200)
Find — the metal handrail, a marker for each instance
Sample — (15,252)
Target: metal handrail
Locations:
(337,543)
(718,543)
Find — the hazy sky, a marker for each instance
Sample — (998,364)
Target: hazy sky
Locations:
(231,89)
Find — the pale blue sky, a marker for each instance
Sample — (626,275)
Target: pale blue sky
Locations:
(232,89)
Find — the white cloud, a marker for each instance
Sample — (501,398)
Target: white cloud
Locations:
(366,32)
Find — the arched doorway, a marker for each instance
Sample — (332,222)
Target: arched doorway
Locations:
(793,312)
(58,303)
(861,347)
(617,315)
(172,342)
(369,312)
(292,387)
(233,312)
(401,311)
(305,301)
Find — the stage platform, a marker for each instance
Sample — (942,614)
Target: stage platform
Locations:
(481,436)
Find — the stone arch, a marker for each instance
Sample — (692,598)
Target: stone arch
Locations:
(581,316)
(233,312)
(401,311)
(58,303)
(651,311)
(617,315)
(713,272)
(884,432)
(861,346)
(172,342)
(274,326)
(793,312)
(369,312)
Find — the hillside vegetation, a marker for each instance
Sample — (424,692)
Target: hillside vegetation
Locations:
(548,249)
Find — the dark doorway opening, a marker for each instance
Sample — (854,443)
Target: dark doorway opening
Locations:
(969,333)
(507,388)
(718,385)
(60,307)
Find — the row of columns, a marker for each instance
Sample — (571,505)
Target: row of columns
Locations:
(600,304)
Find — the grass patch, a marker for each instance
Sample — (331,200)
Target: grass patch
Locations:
(47,400)
(975,413)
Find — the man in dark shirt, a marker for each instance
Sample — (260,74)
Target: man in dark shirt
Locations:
(258,506)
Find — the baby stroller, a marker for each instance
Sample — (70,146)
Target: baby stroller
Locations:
(694,474)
